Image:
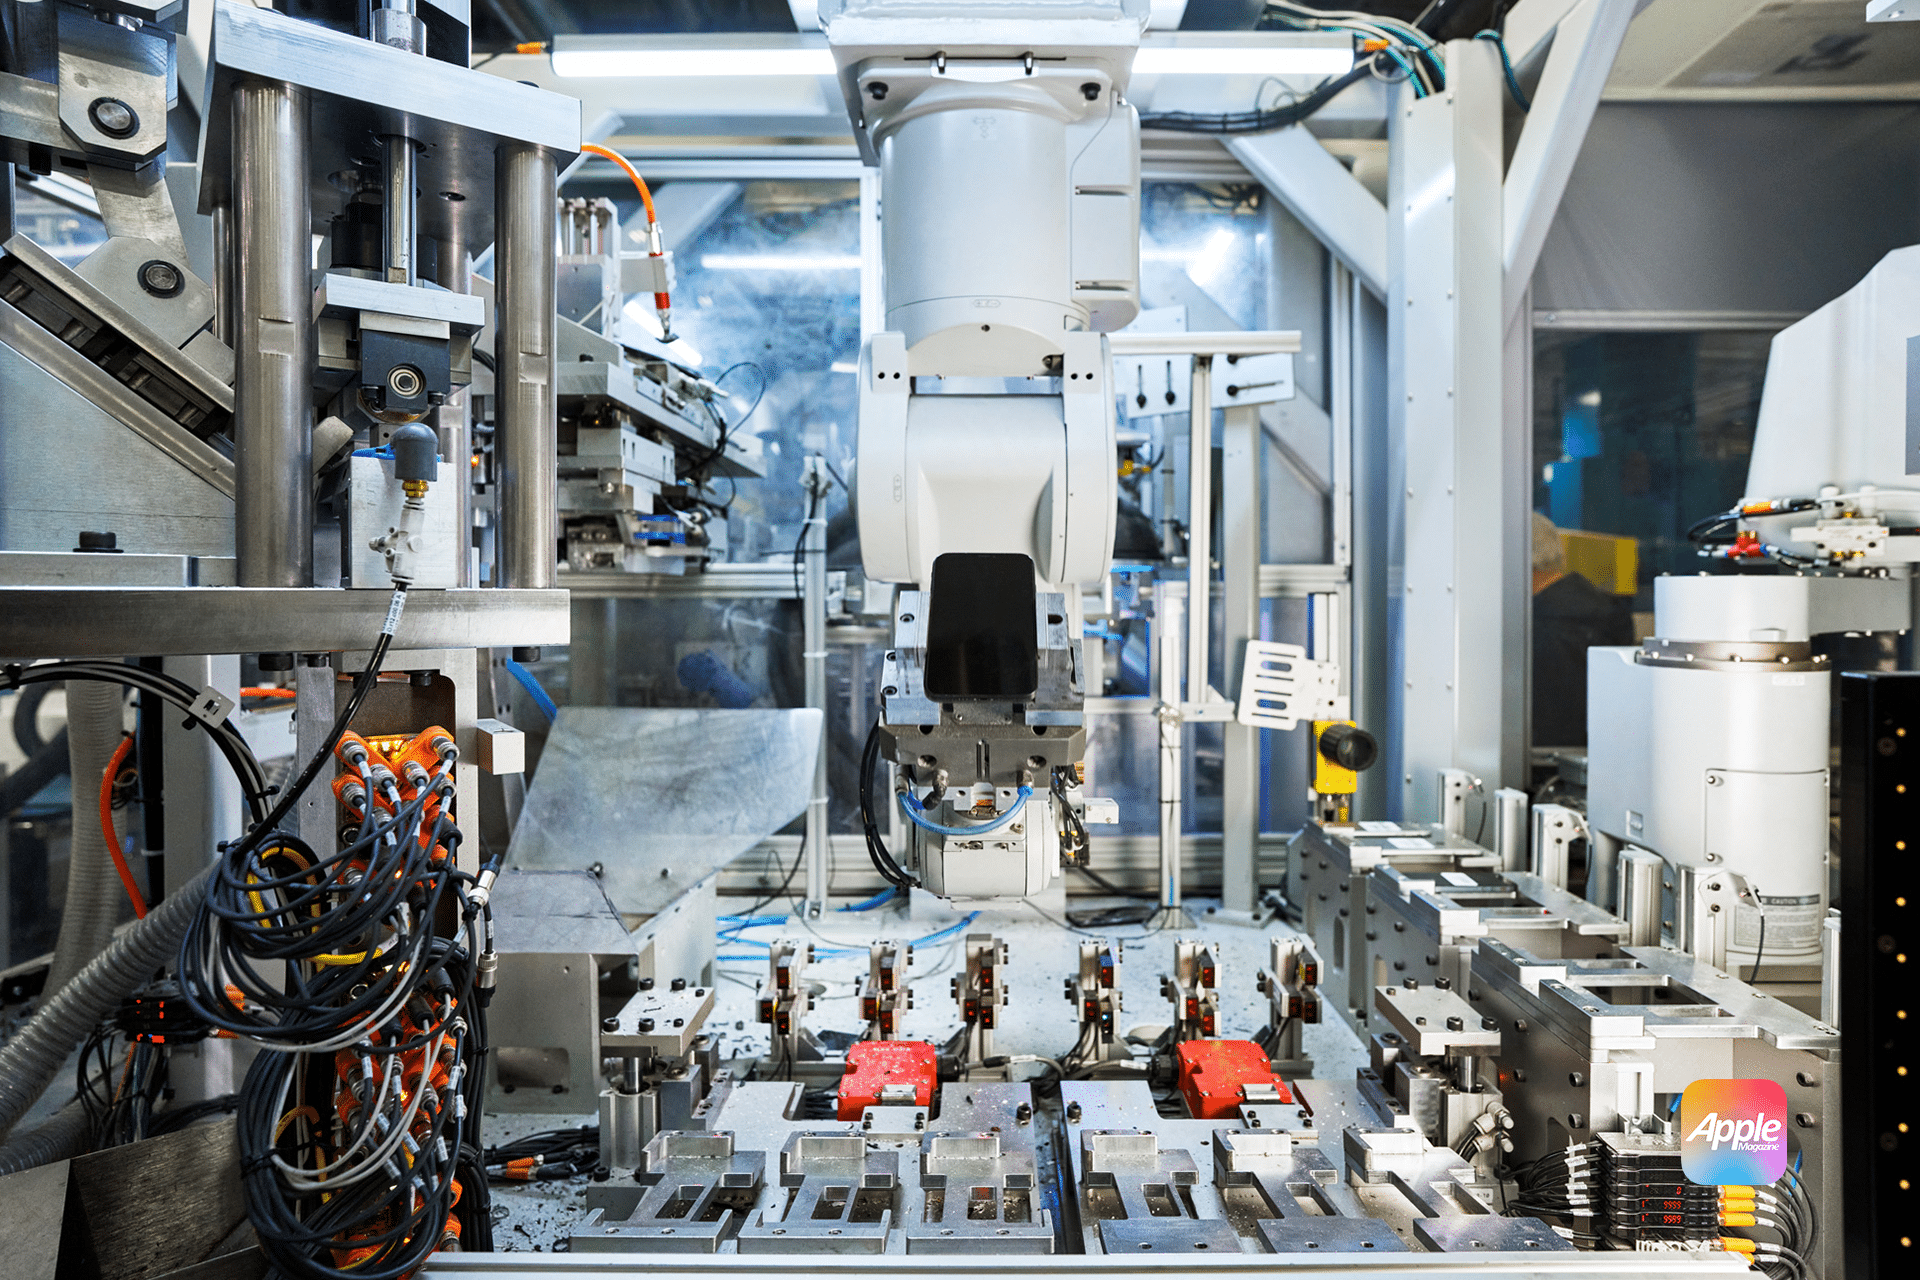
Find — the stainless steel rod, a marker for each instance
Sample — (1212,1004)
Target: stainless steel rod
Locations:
(1199,528)
(273,338)
(403,265)
(523,259)
(1166,611)
(223,269)
(453,271)
(814,658)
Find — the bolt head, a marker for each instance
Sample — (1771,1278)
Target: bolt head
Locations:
(113,117)
(161,278)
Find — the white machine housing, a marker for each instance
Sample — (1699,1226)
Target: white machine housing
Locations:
(1835,416)
(1010,178)
(1721,764)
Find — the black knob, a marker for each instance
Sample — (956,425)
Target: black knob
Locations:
(646,1024)
(416,452)
(646,984)
(678,984)
(1349,746)
(95,540)
(609,1024)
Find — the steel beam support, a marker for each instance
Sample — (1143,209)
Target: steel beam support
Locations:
(1240,543)
(814,660)
(1516,534)
(1530,27)
(1199,527)
(1374,512)
(1327,199)
(1576,71)
(1446,338)
(523,256)
(203,803)
(273,332)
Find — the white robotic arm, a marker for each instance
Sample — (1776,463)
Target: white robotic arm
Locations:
(1010,178)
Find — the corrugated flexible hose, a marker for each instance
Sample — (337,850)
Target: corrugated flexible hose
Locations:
(63,1136)
(30,1061)
(94,894)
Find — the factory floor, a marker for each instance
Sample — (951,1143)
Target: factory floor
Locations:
(1042,952)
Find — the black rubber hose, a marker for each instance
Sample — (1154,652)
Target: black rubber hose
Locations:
(26,782)
(26,719)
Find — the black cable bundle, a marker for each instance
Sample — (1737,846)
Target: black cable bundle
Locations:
(226,736)
(360,1128)
(876,847)
(365,1161)
(548,1156)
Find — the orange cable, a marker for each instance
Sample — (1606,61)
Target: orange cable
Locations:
(661,302)
(607,153)
(106,825)
(267,691)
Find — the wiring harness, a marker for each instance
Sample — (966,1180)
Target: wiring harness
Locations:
(551,1156)
(365,974)
(1386,49)
(1720,537)
(359,1132)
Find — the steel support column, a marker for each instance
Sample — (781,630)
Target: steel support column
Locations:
(1446,324)
(523,258)
(813,608)
(1240,543)
(273,338)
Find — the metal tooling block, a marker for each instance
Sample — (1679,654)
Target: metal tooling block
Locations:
(1427,922)
(1327,870)
(1436,1022)
(1318,1234)
(1491,1232)
(553,932)
(1590,1044)
(840,1198)
(361,91)
(660,1023)
(693,1191)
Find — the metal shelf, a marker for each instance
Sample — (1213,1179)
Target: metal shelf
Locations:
(94,622)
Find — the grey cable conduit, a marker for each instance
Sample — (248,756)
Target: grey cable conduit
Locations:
(30,1061)
(94,892)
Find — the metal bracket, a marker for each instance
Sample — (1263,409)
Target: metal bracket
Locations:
(211,707)
(1280,686)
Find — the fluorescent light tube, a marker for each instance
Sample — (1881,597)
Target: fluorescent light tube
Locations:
(645,63)
(780,261)
(1243,60)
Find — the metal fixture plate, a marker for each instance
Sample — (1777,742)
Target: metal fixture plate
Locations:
(361,91)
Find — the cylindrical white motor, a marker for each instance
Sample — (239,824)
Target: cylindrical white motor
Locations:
(1709,747)
(978,250)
